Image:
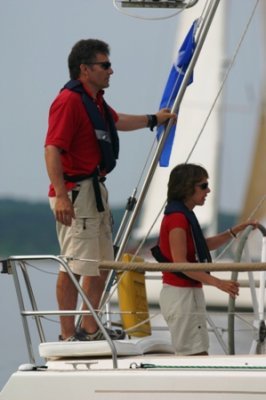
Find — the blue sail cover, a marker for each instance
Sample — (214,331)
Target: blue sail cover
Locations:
(173,84)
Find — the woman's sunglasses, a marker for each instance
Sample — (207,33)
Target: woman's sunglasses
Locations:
(203,186)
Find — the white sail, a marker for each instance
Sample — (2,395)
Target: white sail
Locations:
(234,118)
(254,204)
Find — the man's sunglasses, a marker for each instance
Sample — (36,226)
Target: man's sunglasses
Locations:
(104,64)
(203,186)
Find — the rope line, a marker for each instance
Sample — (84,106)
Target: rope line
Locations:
(227,367)
(181,267)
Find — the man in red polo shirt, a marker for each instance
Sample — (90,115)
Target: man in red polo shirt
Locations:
(80,149)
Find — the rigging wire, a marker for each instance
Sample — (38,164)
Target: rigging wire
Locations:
(42,270)
(151,151)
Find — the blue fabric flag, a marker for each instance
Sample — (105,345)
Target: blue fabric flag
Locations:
(172,87)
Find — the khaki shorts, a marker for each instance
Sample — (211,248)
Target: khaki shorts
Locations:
(90,235)
(185,313)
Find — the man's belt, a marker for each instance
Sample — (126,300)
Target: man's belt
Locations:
(96,187)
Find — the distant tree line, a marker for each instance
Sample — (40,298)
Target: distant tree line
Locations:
(28,228)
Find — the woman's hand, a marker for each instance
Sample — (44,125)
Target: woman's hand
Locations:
(240,227)
(228,286)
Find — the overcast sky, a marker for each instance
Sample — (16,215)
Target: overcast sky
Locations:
(36,38)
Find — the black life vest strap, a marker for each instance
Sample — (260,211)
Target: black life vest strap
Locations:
(202,249)
(96,186)
(105,128)
(108,141)
(158,255)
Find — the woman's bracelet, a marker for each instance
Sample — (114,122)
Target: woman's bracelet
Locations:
(231,233)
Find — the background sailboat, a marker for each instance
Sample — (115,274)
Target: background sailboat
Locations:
(255,195)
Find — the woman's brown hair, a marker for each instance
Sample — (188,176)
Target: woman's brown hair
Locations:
(182,181)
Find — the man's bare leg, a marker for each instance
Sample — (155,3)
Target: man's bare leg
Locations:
(66,293)
(93,287)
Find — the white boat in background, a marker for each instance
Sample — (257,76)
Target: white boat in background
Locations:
(144,365)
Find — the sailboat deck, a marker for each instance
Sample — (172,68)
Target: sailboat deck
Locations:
(101,348)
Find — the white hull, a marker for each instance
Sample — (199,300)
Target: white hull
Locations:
(192,378)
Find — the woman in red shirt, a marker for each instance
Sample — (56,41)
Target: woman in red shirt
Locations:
(181,240)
